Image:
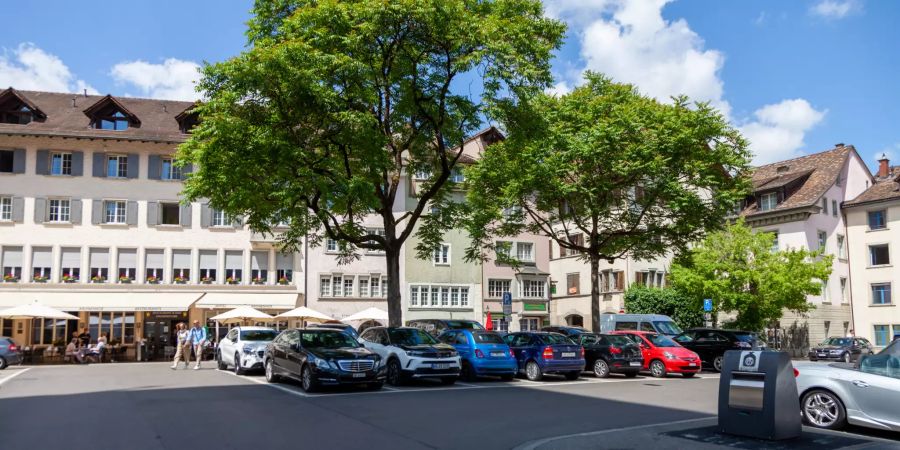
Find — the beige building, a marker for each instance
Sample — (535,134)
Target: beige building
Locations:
(873,231)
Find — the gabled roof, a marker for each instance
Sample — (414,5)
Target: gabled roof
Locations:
(10,92)
(110,101)
(884,189)
(187,112)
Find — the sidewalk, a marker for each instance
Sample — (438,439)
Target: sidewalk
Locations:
(702,434)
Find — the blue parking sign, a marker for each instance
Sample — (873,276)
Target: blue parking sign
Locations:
(507,298)
(707,304)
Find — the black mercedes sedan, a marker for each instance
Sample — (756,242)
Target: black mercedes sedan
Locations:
(322,357)
(607,353)
(846,349)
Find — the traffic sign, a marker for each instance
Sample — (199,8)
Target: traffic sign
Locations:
(507,304)
(707,305)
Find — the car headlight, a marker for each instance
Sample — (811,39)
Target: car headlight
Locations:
(322,364)
(379,363)
(669,355)
(248,349)
(415,353)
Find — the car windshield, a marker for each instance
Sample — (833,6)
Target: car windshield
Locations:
(745,337)
(667,327)
(660,340)
(487,338)
(258,335)
(619,340)
(837,342)
(410,336)
(555,339)
(463,325)
(327,339)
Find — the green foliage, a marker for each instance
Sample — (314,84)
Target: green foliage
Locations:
(687,312)
(740,271)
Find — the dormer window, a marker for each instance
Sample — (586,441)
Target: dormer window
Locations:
(16,109)
(768,202)
(111,115)
(188,119)
(19,116)
(116,121)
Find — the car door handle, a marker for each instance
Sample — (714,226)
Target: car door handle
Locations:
(860,383)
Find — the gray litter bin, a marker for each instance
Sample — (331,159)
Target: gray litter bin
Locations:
(758,395)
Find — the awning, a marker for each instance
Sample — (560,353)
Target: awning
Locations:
(226,300)
(103,301)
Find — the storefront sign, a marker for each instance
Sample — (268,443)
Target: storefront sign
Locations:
(535,306)
(167,315)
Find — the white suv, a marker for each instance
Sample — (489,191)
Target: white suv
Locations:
(243,348)
(412,353)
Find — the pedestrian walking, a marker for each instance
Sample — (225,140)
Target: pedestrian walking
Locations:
(182,345)
(197,337)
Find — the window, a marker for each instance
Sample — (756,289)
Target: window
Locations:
(534,288)
(284,265)
(882,335)
(824,206)
(234,263)
(879,255)
(572,283)
(115,211)
(208,263)
(826,295)
(502,249)
(363,286)
(7,158)
(574,239)
(169,214)
(439,296)
(60,163)
(41,260)
(117,166)
(331,245)
(16,114)
(259,267)
(5,209)
(422,174)
(441,255)
(768,201)
(877,220)
(834,208)
(127,265)
(881,293)
(774,240)
(843,290)
(47,331)
(168,169)
(457,176)
(379,232)
(823,238)
(154,263)
(841,252)
(650,278)
(71,265)
(113,326)
(496,288)
(414,295)
(525,251)
(325,286)
(12,263)
(348,286)
(59,210)
(99,264)
(181,266)
(117,121)
(376,284)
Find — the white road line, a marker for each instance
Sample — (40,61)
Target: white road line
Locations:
(10,377)
(535,444)
(460,383)
(263,382)
(389,388)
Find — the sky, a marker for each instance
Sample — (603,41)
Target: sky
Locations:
(794,77)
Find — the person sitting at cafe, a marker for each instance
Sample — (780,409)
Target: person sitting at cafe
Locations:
(96,352)
(73,353)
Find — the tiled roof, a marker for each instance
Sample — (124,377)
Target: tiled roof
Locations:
(65,116)
(887,188)
(804,179)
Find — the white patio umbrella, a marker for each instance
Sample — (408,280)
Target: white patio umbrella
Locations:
(304,314)
(240,314)
(35,310)
(368,314)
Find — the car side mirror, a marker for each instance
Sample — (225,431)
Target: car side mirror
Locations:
(295,347)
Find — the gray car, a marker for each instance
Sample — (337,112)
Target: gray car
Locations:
(836,394)
(9,352)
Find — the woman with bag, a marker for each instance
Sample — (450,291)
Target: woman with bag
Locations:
(182,345)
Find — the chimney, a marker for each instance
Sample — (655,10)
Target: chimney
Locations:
(85,92)
(884,166)
(839,145)
(73,102)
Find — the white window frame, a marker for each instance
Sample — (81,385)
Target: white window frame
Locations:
(441,255)
(768,202)
(533,289)
(497,286)
(841,246)
(121,212)
(441,296)
(325,286)
(520,246)
(63,212)
(121,166)
(457,175)
(65,164)
(362,284)
(822,239)
(331,246)
(871,256)
(379,232)
(843,281)
(174,171)
(218,218)
(5,209)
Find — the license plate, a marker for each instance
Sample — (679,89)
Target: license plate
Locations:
(568,354)
(634,363)
(440,366)
(692,365)
(359,375)
(822,355)
(498,354)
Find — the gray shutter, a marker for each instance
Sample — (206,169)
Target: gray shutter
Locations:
(18,209)
(152,213)
(75,212)
(77,164)
(153,167)
(185,219)
(19,160)
(40,210)
(131,210)
(99,169)
(205,216)
(42,163)
(96,212)
(186,170)
(134,164)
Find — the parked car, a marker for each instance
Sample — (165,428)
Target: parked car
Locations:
(336,326)
(662,355)
(836,394)
(322,357)
(711,344)
(9,352)
(846,349)
(571,332)
(607,353)
(653,323)
(411,353)
(435,327)
(539,353)
(482,353)
(244,348)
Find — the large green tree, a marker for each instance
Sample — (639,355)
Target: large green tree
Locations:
(606,172)
(335,101)
(741,271)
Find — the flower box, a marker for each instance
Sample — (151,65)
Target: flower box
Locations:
(124,280)
(67,278)
(284,281)
(40,278)
(207,280)
(258,281)
(10,278)
(181,280)
(230,280)
(98,279)
(152,280)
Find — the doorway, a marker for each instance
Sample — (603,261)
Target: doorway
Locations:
(159,335)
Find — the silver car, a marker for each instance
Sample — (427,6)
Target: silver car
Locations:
(836,394)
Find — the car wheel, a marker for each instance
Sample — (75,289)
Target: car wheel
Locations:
(688,374)
(822,409)
(467,373)
(375,386)
(3,363)
(572,376)
(270,372)
(533,371)
(507,377)
(394,375)
(630,374)
(219,363)
(658,369)
(846,358)
(447,381)
(717,363)
(601,369)
(306,380)
(238,370)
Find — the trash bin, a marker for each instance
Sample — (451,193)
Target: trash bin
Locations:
(758,395)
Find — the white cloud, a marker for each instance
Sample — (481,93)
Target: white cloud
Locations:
(835,9)
(560,88)
(30,68)
(778,130)
(172,80)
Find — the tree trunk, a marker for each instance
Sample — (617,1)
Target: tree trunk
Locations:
(595,293)
(395,308)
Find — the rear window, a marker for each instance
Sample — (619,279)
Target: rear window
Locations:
(487,338)
(464,325)
(555,339)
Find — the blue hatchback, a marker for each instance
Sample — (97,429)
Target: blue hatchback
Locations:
(482,353)
(540,353)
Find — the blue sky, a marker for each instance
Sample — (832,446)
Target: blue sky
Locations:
(796,77)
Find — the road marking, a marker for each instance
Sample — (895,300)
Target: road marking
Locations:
(10,377)
(535,444)
(263,382)
(460,383)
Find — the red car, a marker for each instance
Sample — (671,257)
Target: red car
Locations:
(662,355)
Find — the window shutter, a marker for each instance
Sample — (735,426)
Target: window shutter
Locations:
(42,163)
(75,211)
(205,216)
(40,210)
(620,280)
(185,219)
(131,211)
(637,278)
(96,212)
(19,160)
(153,172)
(134,164)
(77,164)
(99,169)
(18,209)
(152,213)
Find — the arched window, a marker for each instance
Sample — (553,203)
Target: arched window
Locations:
(575,320)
